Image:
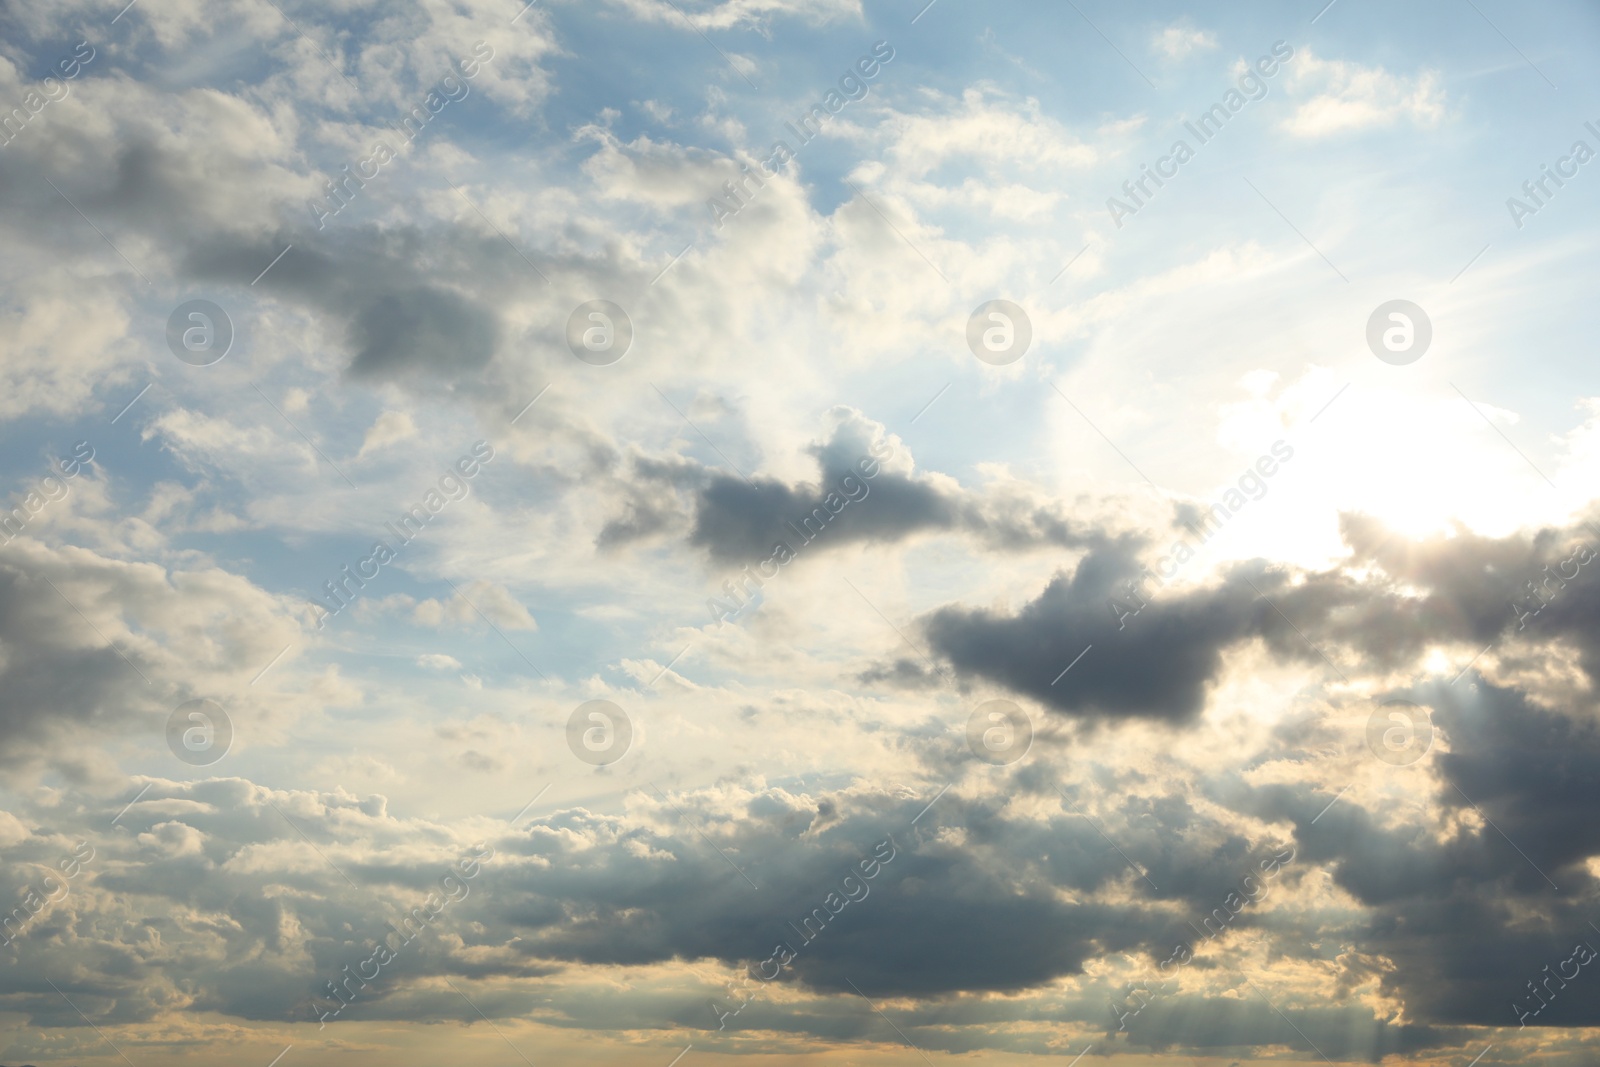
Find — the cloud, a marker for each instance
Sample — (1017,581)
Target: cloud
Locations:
(1156,650)
(1503,815)
(494,601)
(93,647)
(1156,666)
(756,13)
(1177,41)
(867,492)
(391,426)
(1346,96)
(976,128)
(409,330)
(63,347)
(1202,723)
(943,907)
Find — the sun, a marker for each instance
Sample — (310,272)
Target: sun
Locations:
(1425,462)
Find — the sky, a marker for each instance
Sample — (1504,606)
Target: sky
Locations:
(750,533)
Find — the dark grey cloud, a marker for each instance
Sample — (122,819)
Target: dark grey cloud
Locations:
(1019,903)
(184,851)
(51,685)
(583,888)
(652,498)
(1466,921)
(401,331)
(1155,665)
(423,304)
(399,318)
(740,521)
(1155,650)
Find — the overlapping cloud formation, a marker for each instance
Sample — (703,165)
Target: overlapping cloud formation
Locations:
(1170,665)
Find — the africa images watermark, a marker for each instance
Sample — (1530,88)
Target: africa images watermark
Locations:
(1252,481)
(1542,593)
(454,887)
(850,490)
(450,88)
(1254,87)
(1579,154)
(50,90)
(1232,906)
(51,489)
(784,953)
(33,904)
(1582,954)
(453,485)
(853,85)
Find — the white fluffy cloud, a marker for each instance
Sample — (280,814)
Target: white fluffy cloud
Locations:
(1344,96)
(1178,41)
